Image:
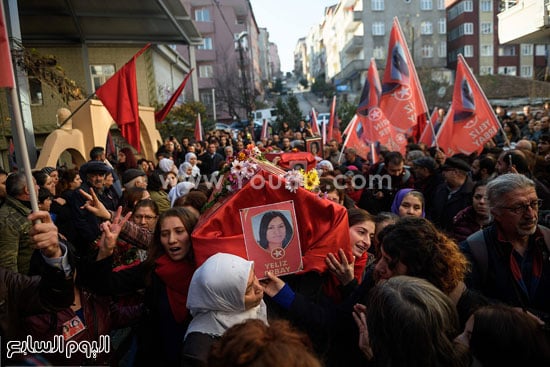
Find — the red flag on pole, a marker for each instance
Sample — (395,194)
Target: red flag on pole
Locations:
(353,139)
(471,121)
(428,135)
(119,96)
(402,98)
(161,115)
(314,124)
(6,68)
(198,128)
(331,118)
(374,125)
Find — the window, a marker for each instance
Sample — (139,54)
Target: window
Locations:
(468,28)
(486,5)
(507,70)
(202,15)
(442,23)
(378,29)
(526,71)
(442,49)
(527,49)
(468,6)
(379,53)
(205,71)
(35,90)
(441,4)
(486,28)
(462,7)
(100,74)
(426,28)
(506,51)
(540,50)
(427,51)
(486,70)
(206,98)
(486,50)
(206,44)
(425,4)
(468,51)
(377,5)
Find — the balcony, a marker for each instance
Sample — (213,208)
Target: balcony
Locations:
(353,19)
(353,46)
(352,69)
(528,21)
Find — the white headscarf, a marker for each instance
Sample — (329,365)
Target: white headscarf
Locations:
(167,165)
(216,295)
(181,189)
(195,171)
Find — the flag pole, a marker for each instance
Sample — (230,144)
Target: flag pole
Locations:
(77,109)
(347,138)
(19,130)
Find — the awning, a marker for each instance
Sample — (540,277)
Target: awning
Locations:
(106,21)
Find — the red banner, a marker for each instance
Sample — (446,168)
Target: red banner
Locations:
(402,98)
(6,67)
(428,136)
(119,96)
(161,115)
(198,128)
(471,121)
(314,124)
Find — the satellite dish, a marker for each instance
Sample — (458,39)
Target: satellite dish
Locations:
(441,92)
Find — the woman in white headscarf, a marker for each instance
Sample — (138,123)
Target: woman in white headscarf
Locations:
(223,292)
(178,191)
(190,158)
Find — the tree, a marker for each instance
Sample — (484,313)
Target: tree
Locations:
(346,111)
(288,111)
(181,120)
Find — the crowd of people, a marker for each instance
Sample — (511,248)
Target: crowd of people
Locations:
(448,259)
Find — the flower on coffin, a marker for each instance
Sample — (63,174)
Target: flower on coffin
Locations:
(294,179)
(299,178)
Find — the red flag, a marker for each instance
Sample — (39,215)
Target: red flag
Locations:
(198,128)
(161,115)
(331,119)
(314,124)
(428,135)
(353,139)
(119,96)
(402,98)
(470,122)
(374,126)
(6,68)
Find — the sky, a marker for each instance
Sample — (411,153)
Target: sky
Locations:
(287,21)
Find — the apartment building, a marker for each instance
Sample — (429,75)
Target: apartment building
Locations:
(228,62)
(473,30)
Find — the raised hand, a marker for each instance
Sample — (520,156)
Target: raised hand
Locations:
(44,235)
(110,231)
(342,269)
(94,205)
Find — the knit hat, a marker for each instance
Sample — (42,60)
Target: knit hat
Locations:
(93,167)
(181,189)
(48,170)
(130,174)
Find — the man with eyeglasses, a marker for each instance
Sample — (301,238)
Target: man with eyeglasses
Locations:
(511,258)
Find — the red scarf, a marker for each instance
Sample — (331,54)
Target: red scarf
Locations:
(176,275)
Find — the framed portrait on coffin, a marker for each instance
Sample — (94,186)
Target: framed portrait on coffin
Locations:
(271,238)
(314,146)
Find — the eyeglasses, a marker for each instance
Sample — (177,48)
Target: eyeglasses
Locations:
(146,217)
(522,208)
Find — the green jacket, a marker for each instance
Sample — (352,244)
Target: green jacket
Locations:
(15,243)
(161,198)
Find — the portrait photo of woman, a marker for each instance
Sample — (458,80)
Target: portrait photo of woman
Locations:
(275,230)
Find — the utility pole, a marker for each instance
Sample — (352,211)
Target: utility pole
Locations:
(244,81)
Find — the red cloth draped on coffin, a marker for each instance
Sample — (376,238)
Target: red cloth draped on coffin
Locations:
(322,225)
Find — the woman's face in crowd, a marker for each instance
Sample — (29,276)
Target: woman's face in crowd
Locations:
(479,201)
(121,157)
(383,269)
(333,196)
(145,217)
(75,184)
(145,166)
(254,291)
(410,206)
(109,179)
(193,160)
(174,238)
(55,177)
(276,231)
(360,235)
(172,180)
(50,185)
